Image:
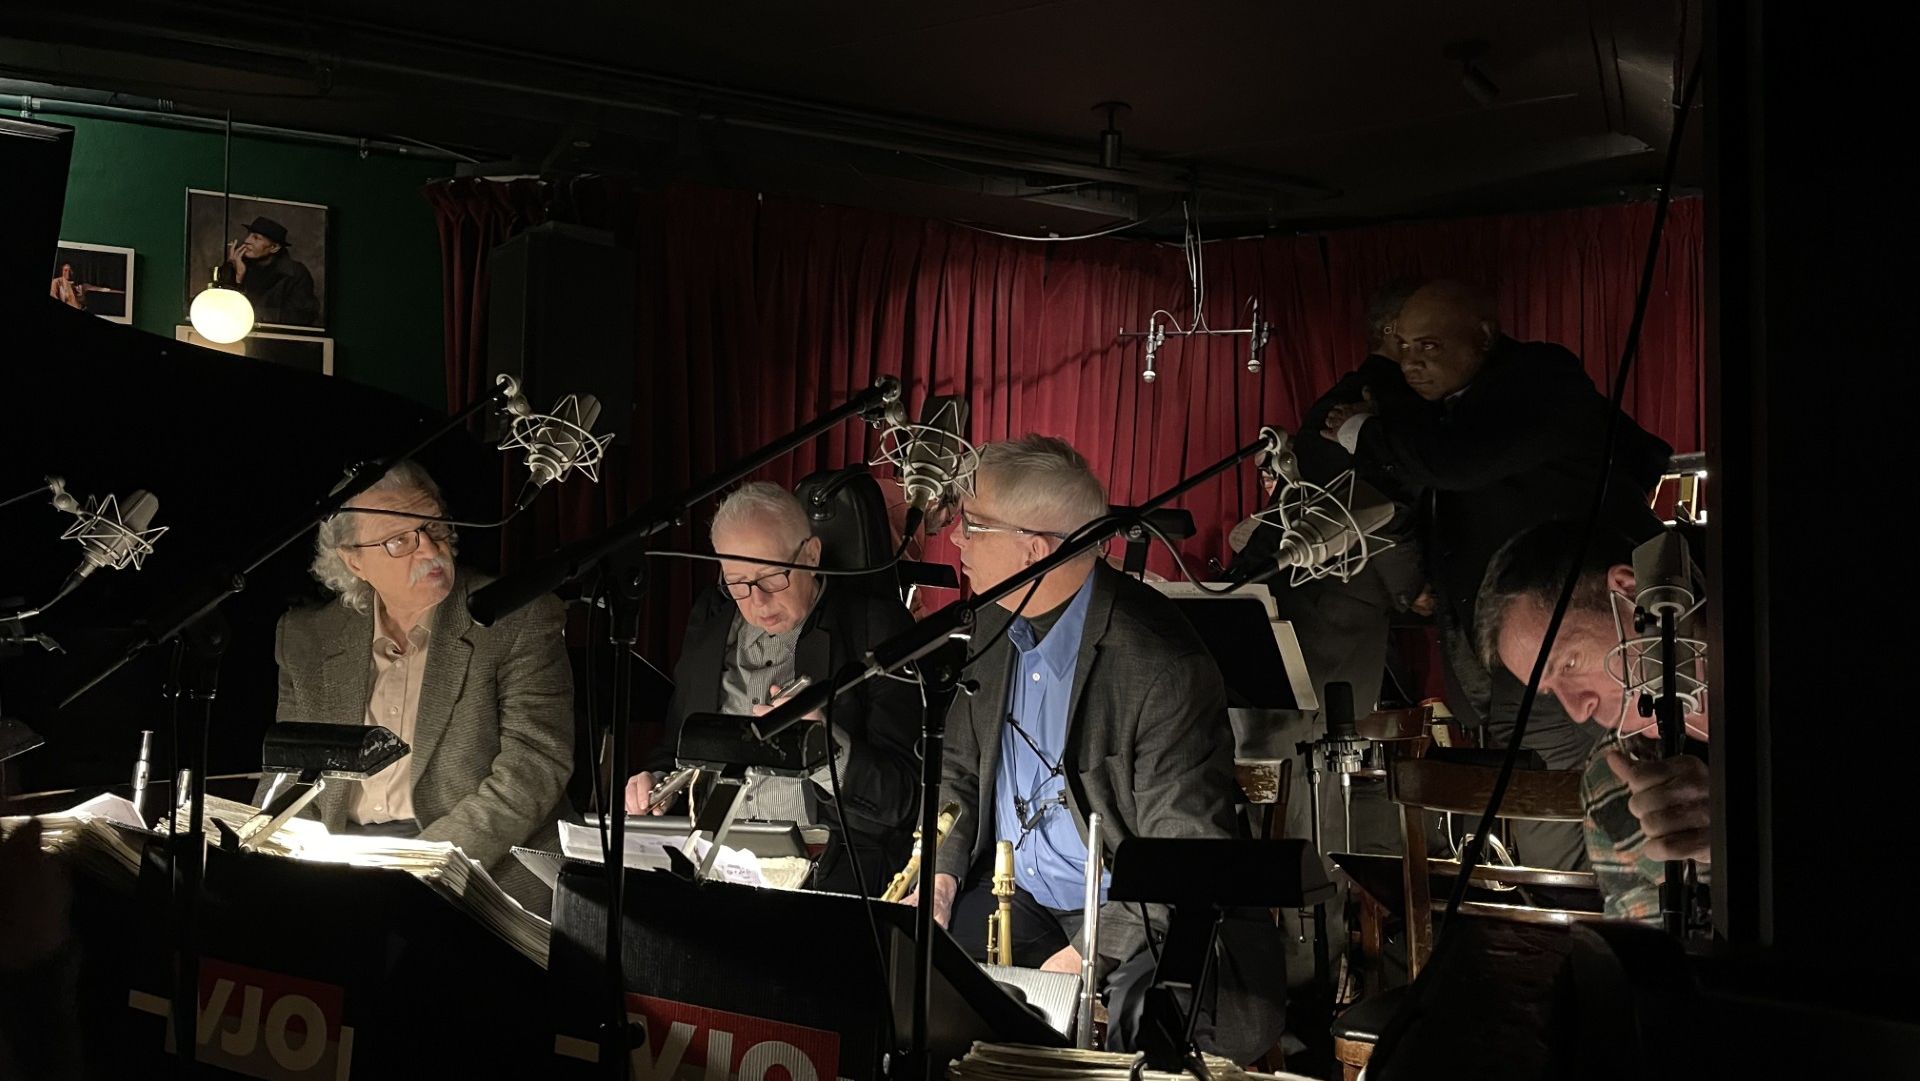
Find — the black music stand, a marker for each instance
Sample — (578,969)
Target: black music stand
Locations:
(391,977)
(1257,652)
(1201,879)
(746,966)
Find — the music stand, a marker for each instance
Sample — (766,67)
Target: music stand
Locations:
(1250,642)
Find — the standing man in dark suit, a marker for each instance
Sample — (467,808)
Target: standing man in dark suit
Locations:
(488,710)
(1511,437)
(753,633)
(1095,695)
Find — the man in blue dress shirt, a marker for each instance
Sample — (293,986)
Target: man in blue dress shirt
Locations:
(1094,696)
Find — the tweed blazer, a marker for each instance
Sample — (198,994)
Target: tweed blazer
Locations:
(1148,744)
(493,742)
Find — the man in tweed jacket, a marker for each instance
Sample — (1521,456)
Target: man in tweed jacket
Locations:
(1097,697)
(487,710)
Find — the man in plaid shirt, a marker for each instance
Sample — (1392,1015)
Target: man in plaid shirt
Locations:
(1641,810)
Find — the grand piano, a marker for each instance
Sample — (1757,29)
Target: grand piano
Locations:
(235,449)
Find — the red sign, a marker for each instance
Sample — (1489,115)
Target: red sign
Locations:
(693,1043)
(266,1024)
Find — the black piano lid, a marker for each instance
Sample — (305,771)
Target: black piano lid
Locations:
(234,449)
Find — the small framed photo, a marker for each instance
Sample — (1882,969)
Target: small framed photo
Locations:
(273,250)
(302,351)
(94,278)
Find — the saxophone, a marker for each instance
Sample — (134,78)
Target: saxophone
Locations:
(1000,923)
(909,876)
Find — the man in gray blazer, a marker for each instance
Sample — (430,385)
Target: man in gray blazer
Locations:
(487,710)
(1095,695)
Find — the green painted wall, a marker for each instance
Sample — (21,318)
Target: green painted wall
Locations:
(128,188)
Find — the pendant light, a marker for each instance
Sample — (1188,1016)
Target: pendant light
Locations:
(222,313)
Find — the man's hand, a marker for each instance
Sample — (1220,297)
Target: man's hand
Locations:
(1671,798)
(1067,960)
(774,698)
(1340,414)
(1424,604)
(640,793)
(944,887)
(235,259)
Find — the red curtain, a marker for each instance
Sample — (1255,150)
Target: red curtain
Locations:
(756,314)
(475,215)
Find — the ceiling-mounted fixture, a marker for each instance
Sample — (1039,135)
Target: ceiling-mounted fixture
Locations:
(1110,135)
(1473,77)
(1157,332)
(221,313)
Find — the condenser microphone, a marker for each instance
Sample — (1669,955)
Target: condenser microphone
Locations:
(937,460)
(112,536)
(559,443)
(1322,534)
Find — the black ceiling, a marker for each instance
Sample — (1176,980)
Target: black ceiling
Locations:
(1277,114)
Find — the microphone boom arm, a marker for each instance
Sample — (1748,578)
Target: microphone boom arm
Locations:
(930,633)
(171,622)
(516,590)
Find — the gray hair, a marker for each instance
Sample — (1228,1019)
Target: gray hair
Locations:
(763,501)
(343,530)
(1042,483)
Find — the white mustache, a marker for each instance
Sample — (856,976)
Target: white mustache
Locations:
(421,570)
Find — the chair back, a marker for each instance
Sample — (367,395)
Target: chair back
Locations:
(1424,785)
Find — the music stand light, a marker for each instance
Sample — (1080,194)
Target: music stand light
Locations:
(309,753)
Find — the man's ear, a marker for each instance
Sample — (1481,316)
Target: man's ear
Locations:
(1620,580)
(352,559)
(810,552)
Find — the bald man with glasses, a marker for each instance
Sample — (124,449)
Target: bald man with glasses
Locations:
(761,626)
(488,711)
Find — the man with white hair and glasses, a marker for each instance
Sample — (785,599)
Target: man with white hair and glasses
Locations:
(1641,809)
(488,711)
(1094,695)
(760,627)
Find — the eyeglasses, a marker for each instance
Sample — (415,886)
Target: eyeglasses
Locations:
(404,544)
(969,527)
(770,583)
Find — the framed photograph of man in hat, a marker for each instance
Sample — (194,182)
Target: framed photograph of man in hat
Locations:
(273,250)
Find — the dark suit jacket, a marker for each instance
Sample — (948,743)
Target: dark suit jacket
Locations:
(493,742)
(281,289)
(880,783)
(1148,745)
(1520,446)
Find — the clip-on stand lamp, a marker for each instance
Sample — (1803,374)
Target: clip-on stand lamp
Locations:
(303,755)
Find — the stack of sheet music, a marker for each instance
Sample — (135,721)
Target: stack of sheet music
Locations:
(440,864)
(1015,1062)
(102,836)
(648,851)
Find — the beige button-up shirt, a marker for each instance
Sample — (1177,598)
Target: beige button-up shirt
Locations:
(398,673)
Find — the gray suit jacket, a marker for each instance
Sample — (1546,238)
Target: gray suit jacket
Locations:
(493,744)
(1148,744)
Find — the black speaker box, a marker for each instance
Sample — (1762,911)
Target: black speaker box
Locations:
(560,319)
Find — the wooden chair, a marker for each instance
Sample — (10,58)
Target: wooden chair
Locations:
(1422,786)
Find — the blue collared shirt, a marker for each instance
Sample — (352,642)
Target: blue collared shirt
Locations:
(1050,860)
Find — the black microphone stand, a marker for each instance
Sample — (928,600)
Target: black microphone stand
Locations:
(931,635)
(201,635)
(1673,737)
(622,572)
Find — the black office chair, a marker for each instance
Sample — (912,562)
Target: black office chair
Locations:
(848,511)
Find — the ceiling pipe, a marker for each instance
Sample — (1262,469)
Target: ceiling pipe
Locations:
(244,40)
(159,112)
